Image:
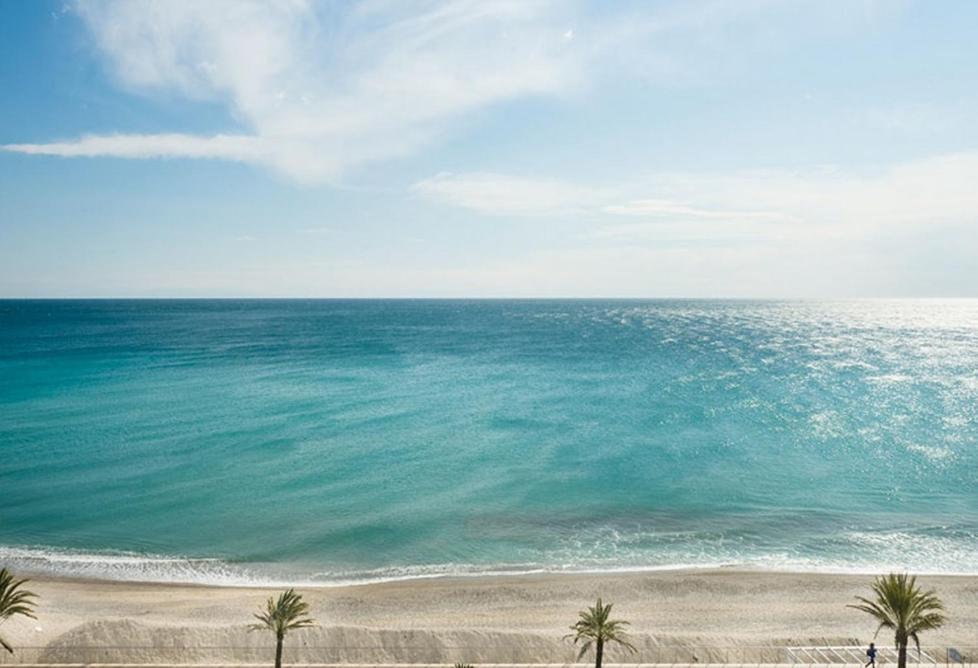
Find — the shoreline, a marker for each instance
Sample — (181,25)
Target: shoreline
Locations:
(487,577)
(109,566)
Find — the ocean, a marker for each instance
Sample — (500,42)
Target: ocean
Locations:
(336,441)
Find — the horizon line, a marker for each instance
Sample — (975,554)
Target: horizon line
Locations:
(489,298)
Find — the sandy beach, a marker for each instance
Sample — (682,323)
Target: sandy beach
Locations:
(702,614)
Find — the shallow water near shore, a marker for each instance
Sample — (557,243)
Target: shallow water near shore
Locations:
(235,442)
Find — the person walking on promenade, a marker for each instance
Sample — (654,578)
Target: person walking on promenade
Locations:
(871,653)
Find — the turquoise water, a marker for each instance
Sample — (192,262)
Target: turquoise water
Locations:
(252,441)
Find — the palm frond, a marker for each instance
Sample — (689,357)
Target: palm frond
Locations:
(903,607)
(585,648)
(287,613)
(594,624)
(14,600)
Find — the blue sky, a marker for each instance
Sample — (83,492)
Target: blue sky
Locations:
(749,148)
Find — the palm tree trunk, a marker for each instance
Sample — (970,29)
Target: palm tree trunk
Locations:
(278,651)
(902,656)
(598,653)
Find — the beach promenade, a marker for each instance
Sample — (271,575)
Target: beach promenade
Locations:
(450,665)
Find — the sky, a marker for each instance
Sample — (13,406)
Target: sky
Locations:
(511,148)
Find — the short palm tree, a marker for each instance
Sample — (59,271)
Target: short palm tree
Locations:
(14,600)
(595,628)
(901,606)
(280,616)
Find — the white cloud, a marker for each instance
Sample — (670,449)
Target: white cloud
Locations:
(663,208)
(499,194)
(691,232)
(506,195)
(227,147)
(932,190)
(822,203)
(322,88)
(872,222)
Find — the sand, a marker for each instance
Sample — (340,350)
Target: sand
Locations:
(675,616)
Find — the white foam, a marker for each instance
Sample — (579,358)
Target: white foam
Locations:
(890,379)
(932,453)
(125,566)
(884,551)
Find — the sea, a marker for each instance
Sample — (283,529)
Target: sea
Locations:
(244,442)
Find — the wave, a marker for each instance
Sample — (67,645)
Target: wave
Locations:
(127,566)
(933,555)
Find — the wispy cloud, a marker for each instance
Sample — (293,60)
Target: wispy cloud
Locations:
(828,202)
(663,208)
(506,195)
(225,147)
(499,194)
(322,88)
(926,191)
(318,89)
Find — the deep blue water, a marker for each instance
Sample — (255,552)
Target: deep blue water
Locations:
(235,441)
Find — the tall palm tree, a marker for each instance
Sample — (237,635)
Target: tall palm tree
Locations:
(595,628)
(901,606)
(14,600)
(280,616)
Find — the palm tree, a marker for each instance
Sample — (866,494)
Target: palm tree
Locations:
(594,628)
(901,606)
(14,601)
(287,613)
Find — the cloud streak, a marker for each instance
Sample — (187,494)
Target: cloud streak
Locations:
(226,147)
(499,194)
(827,202)
(663,208)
